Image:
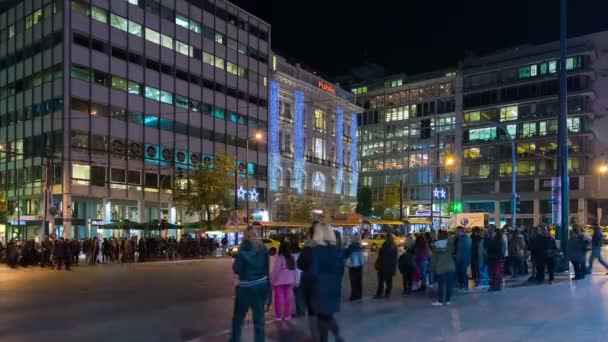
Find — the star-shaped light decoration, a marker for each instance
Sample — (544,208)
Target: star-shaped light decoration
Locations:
(442,193)
(253,195)
(436,193)
(240,193)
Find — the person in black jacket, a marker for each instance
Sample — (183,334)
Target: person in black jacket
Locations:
(306,282)
(407,267)
(251,266)
(545,250)
(61,254)
(386,266)
(496,254)
(596,249)
(577,248)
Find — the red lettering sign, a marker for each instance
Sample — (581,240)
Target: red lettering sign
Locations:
(327,87)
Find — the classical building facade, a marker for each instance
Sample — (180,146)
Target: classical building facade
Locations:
(312,142)
(124,97)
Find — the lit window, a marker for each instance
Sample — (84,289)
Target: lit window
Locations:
(219,63)
(119,22)
(181,21)
(119,83)
(319,122)
(482,134)
(528,129)
(552,67)
(99,14)
(133,2)
(512,129)
(472,116)
(207,58)
(319,148)
(37,16)
(543,69)
(219,38)
(508,113)
(574,125)
(11,31)
(533,70)
(166,97)
(134,88)
(134,28)
(183,48)
(81,174)
(232,68)
(152,93)
(195,27)
(81,73)
(28,22)
(542,128)
(242,72)
(152,36)
(166,41)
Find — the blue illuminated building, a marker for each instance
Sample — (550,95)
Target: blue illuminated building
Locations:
(314,139)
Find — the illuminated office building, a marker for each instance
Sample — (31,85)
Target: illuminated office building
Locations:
(124,97)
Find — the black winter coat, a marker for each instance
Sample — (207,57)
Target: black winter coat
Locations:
(387,259)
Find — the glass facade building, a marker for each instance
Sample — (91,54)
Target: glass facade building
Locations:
(124,98)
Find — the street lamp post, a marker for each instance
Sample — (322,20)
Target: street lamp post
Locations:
(257,137)
(603,169)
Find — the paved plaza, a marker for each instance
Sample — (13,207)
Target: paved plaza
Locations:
(192,301)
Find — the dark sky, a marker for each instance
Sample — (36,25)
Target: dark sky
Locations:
(413,36)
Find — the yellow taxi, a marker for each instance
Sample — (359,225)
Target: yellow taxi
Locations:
(376,242)
(269,243)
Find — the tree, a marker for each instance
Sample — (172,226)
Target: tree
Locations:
(207,186)
(388,208)
(301,209)
(3,207)
(364,201)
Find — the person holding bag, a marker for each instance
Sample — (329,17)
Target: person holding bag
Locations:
(354,261)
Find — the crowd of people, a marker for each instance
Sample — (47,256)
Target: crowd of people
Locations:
(311,278)
(57,252)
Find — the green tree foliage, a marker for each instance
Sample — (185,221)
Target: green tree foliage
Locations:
(364,201)
(301,209)
(207,186)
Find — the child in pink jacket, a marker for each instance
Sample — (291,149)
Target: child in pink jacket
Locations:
(283,277)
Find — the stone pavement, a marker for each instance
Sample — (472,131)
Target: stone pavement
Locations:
(564,311)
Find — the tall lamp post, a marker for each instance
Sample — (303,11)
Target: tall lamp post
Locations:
(257,138)
(602,170)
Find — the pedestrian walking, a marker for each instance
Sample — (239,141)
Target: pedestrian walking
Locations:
(386,267)
(577,249)
(443,265)
(596,249)
(283,278)
(61,253)
(354,263)
(251,266)
(495,257)
(12,253)
(407,268)
(326,272)
(462,257)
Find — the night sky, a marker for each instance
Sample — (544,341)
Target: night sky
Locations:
(413,36)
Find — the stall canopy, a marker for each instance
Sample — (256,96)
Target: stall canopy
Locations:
(154,224)
(124,224)
(387,222)
(285,224)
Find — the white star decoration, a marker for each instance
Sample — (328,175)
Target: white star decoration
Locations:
(241,193)
(439,193)
(253,195)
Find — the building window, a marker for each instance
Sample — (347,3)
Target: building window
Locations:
(152,93)
(552,67)
(119,83)
(166,41)
(133,88)
(508,113)
(574,125)
(119,22)
(528,129)
(207,58)
(81,174)
(166,97)
(152,36)
(319,123)
(184,48)
(472,116)
(482,134)
(471,153)
(99,14)
(512,129)
(219,63)
(181,21)
(319,148)
(134,28)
